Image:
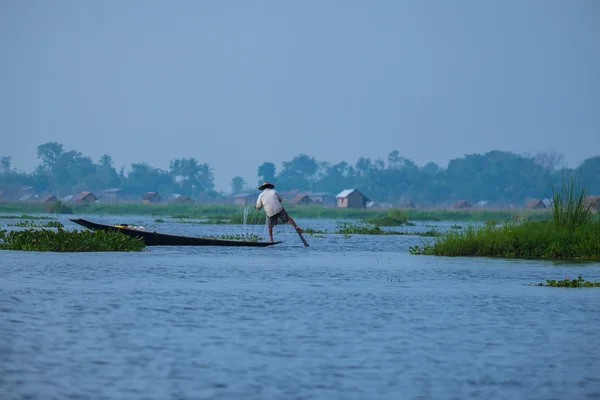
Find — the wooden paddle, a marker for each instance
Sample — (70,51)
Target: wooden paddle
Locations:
(302,238)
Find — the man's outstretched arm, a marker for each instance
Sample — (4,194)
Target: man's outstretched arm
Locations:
(258,204)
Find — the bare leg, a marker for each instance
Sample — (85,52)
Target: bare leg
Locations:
(293,223)
(271,234)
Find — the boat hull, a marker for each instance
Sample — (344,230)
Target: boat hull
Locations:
(162,239)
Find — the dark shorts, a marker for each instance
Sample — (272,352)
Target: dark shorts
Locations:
(281,215)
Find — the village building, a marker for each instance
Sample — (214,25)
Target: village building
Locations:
(409,204)
(244,199)
(351,198)
(461,204)
(85,197)
(151,197)
(184,200)
(535,204)
(110,195)
(301,199)
(593,203)
(49,199)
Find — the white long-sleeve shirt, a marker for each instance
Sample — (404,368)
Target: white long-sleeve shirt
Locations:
(270,200)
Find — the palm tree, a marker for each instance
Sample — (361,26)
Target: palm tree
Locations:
(106,161)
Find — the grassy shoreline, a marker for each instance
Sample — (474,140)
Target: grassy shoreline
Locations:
(198,211)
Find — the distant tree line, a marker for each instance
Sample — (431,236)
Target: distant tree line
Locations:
(499,177)
(62,172)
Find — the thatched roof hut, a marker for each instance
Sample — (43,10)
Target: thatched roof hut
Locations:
(535,204)
(151,197)
(301,198)
(85,197)
(592,202)
(184,200)
(461,204)
(49,199)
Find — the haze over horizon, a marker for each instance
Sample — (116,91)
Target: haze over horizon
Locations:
(235,84)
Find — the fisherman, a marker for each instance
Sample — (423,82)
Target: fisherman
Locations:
(271,201)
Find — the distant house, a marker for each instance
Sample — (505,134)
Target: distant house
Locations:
(288,195)
(17,192)
(49,199)
(461,204)
(535,204)
(111,195)
(244,199)
(321,198)
(184,200)
(85,197)
(409,204)
(592,202)
(481,204)
(301,199)
(547,203)
(351,198)
(151,197)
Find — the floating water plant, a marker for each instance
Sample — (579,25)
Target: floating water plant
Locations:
(393,218)
(31,224)
(346,228)
(568,283)
(311,231)
(23,216)
(68,241)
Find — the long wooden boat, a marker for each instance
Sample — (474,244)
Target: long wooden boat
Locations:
(162,239)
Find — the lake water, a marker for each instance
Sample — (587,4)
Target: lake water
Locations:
(347,318)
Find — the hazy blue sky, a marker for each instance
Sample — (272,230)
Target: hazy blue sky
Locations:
(236,83)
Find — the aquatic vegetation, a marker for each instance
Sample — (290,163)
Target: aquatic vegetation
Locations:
(24,216)
(417,250)
(569,210)
(572,233)
(68,241)
(159,220)
(31,224)
(311,231)
(567,283)
(346,228)
(393,218)
(456,227)
(58,207)
(529,240)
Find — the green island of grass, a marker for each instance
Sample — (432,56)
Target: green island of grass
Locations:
(573,232)
(567,283)
(347,229)
(68,241)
